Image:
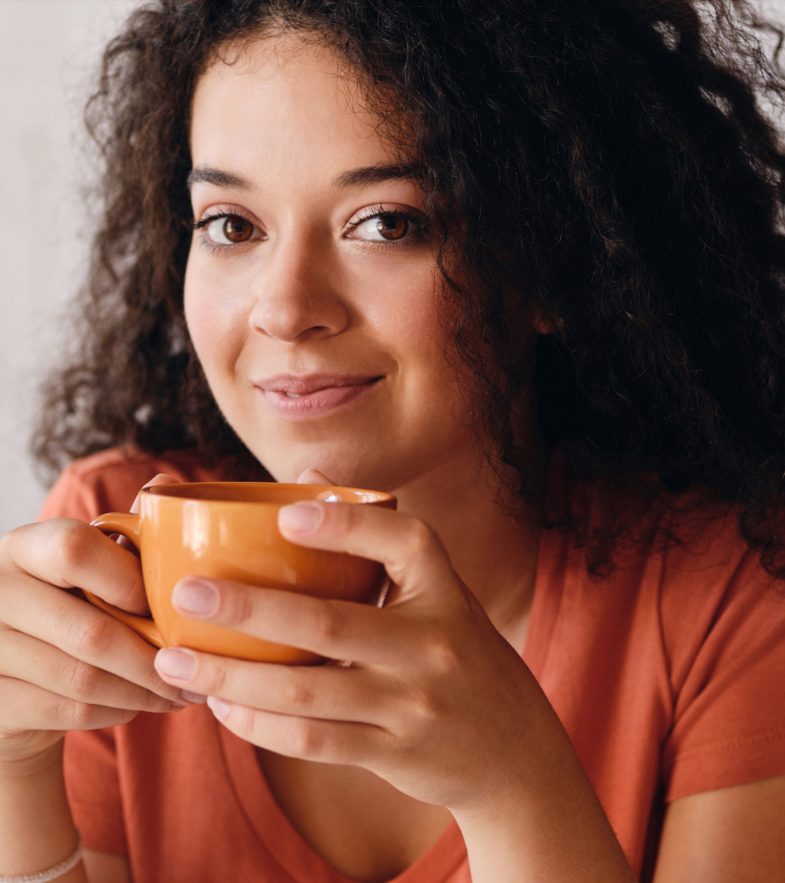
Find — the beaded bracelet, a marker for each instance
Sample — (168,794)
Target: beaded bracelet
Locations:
(59,870)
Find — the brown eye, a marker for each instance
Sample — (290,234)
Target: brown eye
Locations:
(392,227)
(225,230)
(236,229)
(389,227)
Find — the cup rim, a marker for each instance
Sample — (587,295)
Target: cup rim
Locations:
(161,490)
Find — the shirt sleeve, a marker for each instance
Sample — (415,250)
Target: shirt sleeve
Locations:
(726,637)
(70,497)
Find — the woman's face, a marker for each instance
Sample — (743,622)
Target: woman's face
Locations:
(311,292)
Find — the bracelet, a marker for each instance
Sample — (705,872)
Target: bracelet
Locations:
(59,870)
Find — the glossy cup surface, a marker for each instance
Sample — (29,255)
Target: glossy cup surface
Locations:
(229,530)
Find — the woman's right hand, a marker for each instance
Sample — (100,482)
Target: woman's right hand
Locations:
(65,664)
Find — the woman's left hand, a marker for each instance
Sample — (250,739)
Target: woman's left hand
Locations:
(435,700)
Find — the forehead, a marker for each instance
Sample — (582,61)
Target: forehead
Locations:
(283,100)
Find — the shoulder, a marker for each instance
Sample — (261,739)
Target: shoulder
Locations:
(706,583)
(709,568)
(722,618)
(109,480)
(692,620)
(688,582)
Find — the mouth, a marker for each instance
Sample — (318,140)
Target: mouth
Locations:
(313,395)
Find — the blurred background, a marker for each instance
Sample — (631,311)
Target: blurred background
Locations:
(49,52)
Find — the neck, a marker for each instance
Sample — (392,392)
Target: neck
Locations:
(490,535)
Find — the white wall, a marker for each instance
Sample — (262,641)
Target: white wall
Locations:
(48,52)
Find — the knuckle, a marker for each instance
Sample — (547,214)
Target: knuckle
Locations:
(297,692)
(71,545)
(80,679)
(420,540)
(239,610)
(444,658)
(423,704)
(327,623)
(210,679)
(80,715)
(91,636)
(308,739)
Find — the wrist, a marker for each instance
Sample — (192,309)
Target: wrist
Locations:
(37,829)
(539,818)
(30,760)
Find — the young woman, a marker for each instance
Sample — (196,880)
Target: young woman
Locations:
(518,263)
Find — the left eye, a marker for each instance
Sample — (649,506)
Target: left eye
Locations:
(228,229)
(385,227)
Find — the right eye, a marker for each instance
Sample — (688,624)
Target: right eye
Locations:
(226,229)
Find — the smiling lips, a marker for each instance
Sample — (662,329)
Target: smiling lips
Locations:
(313,395)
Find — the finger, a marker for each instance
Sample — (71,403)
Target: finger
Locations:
(306,738)
(335,629)
(156,481)
(411,551)
(25,706)
(28,659)
(72,554)
(82,631)
(311,691)
(313,476)
(159,479)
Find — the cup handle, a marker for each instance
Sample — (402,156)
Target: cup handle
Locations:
(127,525)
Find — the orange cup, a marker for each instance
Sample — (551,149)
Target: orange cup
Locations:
(229,530)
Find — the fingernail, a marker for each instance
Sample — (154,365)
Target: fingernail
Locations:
(173,705)
(193,698)
(178,664)
(301,517)
(218,707)
(195,597)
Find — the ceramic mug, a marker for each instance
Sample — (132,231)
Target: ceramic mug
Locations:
(229,530)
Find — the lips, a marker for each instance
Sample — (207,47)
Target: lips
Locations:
(292,385)
(314,395)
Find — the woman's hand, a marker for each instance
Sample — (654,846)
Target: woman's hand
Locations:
(65,664)
(435,701)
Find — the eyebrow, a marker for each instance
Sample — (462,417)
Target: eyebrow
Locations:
(376,174)
(353,178)
(217,177)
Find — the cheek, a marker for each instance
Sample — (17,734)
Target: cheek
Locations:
(406,309)
(212,321)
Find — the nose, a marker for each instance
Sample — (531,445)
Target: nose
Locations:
(296,293)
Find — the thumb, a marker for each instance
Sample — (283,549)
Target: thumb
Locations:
(313,476)
(161,478)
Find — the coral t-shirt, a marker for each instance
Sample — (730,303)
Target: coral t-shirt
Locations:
(669,676)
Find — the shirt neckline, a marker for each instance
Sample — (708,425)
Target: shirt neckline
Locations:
(285,843)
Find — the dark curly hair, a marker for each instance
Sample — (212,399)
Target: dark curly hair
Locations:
(607,161)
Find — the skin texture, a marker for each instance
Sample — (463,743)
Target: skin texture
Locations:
(307,294)
(299,296)
(63,666)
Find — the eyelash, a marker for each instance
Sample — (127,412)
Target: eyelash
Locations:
(417,234)
(204,241)
(418,226)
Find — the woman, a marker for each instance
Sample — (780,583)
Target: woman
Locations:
(517,263)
